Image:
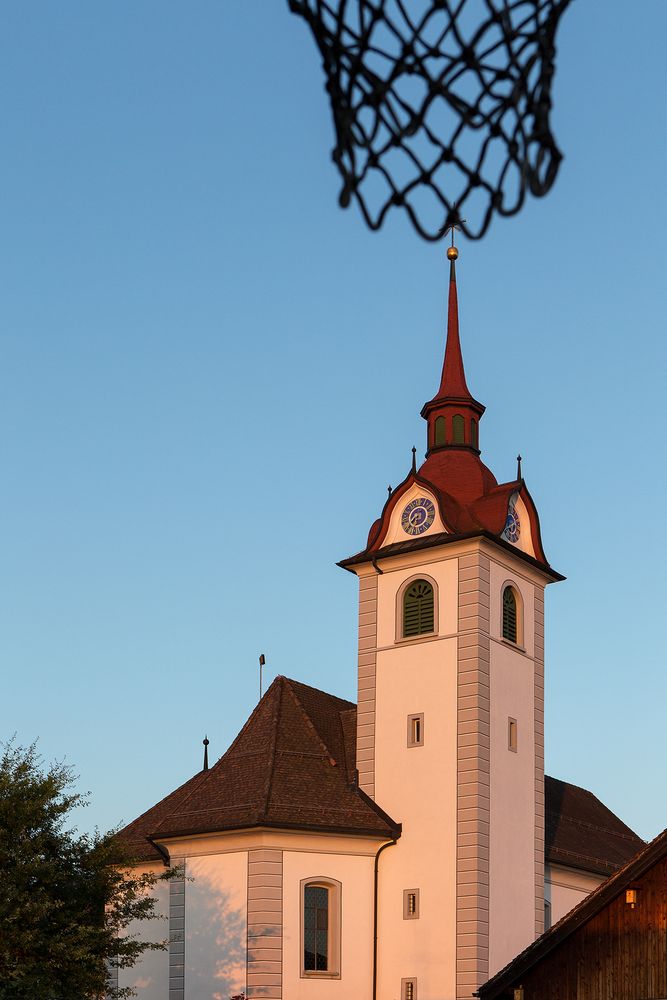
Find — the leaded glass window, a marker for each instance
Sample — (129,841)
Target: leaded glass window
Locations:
(509,615)
(418,609)
(315,928)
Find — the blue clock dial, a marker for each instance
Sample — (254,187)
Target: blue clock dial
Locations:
(418,516)
(512,525)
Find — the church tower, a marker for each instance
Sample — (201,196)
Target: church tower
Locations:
(450,724)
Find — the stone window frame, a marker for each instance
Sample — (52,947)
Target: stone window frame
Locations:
(400,638)
(334,926)
(512,734)
(411,742)
(406,904)
(405,992)
(518,597)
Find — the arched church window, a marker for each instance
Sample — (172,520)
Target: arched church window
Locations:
(510,615)
(474,439)
(440,437)
(458,429)
(418,609)
(320,929)
(316,928)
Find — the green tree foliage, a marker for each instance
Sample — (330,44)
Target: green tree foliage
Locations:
(66,899)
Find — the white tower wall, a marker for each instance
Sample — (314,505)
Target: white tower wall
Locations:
(471,808)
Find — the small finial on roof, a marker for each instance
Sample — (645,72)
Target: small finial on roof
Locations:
(452,225)
(389,490)
(205,741)
(414,459)
(518,466)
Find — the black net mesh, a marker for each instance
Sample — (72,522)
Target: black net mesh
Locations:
(439,106)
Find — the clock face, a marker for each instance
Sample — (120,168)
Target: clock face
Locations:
(418,516)
(512,525)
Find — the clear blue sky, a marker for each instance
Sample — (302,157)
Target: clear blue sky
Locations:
(209,374)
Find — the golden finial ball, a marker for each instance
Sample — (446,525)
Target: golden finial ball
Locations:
(452,253)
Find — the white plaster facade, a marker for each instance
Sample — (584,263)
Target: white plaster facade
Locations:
(565,887)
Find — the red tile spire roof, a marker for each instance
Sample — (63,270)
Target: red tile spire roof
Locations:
(453,381)
(453,398)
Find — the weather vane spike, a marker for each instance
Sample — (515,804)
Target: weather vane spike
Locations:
(205,741)
(518,466)
(452,225)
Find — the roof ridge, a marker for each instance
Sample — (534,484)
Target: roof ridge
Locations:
(220,760)
(327,694)
(247,722)
(309,722)
(272,751)
(571,784)
(349,764)
(564,818)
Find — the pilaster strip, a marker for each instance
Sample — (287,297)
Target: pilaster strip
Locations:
(177,933)
(539,760)
(368,593)
(265,924)
(473,775)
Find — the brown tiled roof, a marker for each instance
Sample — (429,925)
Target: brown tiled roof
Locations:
(581,832)
(291,766)
(643,860)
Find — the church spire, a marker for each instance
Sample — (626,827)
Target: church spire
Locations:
(453,413)
(453,381)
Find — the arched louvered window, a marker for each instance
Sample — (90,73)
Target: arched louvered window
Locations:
(458,429)
(510,615)
(418,609)
(439,431)
(474,439)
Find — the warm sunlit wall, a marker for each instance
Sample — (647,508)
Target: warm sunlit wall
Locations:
(512,816)
(355,873)
(417,787)
(565,887)
(150,976)
(215,925)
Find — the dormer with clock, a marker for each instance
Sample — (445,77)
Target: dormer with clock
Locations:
(451,645)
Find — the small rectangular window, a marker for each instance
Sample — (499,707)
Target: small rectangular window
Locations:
(416,730)
(512,735)
(408,989)
(411,904)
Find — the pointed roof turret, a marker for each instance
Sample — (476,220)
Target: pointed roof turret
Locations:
(453,381)
(453,413)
